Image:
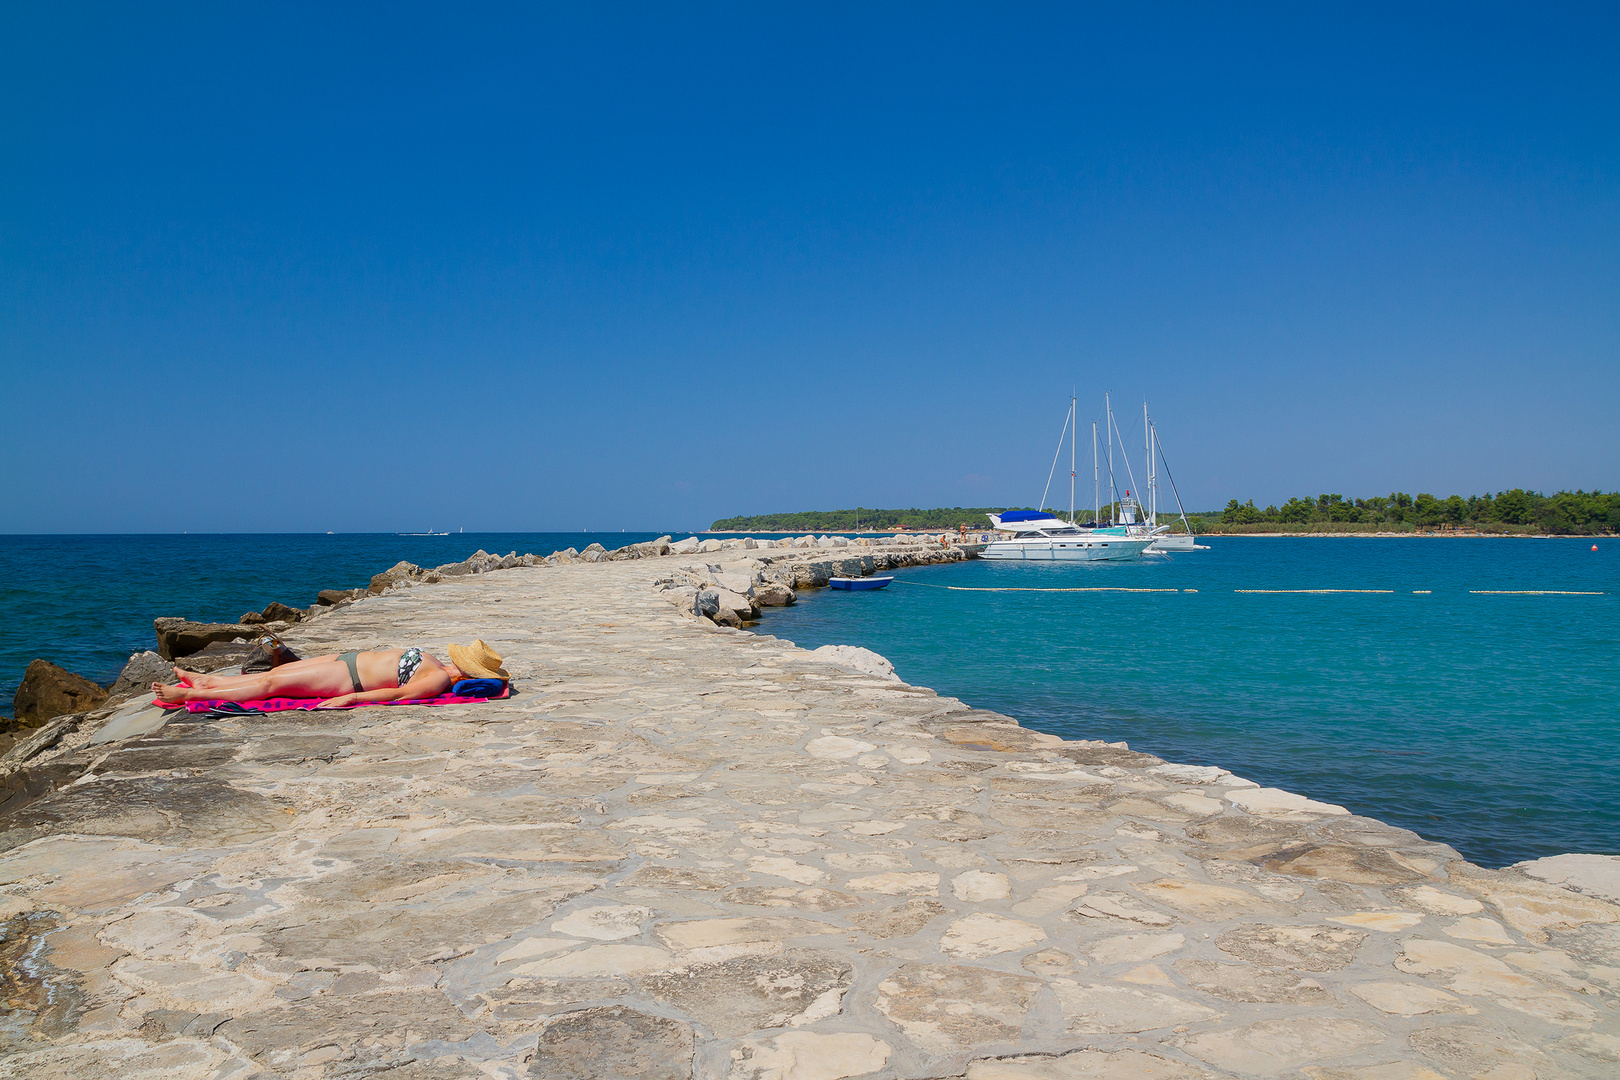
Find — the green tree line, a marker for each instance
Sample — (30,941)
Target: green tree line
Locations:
(1577,513)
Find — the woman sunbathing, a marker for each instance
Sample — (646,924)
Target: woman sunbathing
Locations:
(351,678)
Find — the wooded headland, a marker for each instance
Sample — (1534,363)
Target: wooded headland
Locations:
(1572,513)
(1567,513)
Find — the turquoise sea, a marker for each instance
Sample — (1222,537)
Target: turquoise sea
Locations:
(1489,722)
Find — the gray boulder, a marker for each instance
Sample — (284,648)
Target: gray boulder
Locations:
(143,669)
(479,562)
(685,547)
(737,604)
(684,597)
(594,553)
(402,571)
(772,594)
(855,658)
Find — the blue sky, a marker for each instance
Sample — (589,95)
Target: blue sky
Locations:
(394,267)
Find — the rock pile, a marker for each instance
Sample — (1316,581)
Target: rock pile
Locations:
(734,595)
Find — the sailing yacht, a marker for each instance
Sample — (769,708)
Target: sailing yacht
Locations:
(1039,536)
(1164,542)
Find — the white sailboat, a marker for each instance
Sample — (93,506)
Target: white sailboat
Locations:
(1038,536)
(1165,541)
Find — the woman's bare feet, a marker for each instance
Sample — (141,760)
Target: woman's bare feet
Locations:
(194,678)
(171,694)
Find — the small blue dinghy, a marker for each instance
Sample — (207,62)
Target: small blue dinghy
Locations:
(859,582)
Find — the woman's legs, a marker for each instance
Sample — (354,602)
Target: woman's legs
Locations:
(305,679)
(225,682)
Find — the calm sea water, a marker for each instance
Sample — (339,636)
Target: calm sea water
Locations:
(1491,723)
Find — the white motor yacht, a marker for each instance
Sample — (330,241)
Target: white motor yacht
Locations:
(1036,536)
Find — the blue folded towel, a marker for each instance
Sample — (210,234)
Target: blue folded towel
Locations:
(477,687)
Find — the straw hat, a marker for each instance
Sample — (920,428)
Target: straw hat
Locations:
(478,661)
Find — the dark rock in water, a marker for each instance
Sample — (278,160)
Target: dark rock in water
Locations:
(328,597)
(143,669)
(181,637)
(49,691)
(276,611)
(400,571)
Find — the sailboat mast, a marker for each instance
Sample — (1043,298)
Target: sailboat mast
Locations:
(1074,418)
(1108,422)
(1096,484)
(1147,447)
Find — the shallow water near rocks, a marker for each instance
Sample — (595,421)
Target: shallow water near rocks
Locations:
(1488,722)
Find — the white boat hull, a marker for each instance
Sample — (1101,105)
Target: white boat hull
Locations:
(1043,549)
(1179,542)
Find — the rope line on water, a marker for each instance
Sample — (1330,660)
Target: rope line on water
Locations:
(1309,592)
(1530,592)
(1261,592)
(966,588)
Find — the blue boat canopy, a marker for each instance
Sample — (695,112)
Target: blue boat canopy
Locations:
(1026,515)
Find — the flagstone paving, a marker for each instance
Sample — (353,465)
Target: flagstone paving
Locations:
(686,851)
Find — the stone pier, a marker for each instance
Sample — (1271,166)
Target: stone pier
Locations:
(689,851)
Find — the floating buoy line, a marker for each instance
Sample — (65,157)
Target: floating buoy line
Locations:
(1309,592)
(1258,592)
(969,588)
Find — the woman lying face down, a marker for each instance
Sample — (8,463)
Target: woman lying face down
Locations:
(351,678)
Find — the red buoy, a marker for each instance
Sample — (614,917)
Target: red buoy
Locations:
(1594,547)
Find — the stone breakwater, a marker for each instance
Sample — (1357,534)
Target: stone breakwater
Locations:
(686,851)
(48,691)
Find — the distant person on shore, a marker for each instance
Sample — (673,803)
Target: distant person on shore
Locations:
(351,678)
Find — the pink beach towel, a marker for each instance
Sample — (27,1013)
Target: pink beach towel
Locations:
(284,704)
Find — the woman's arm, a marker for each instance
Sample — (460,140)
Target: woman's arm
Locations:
(424,684)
